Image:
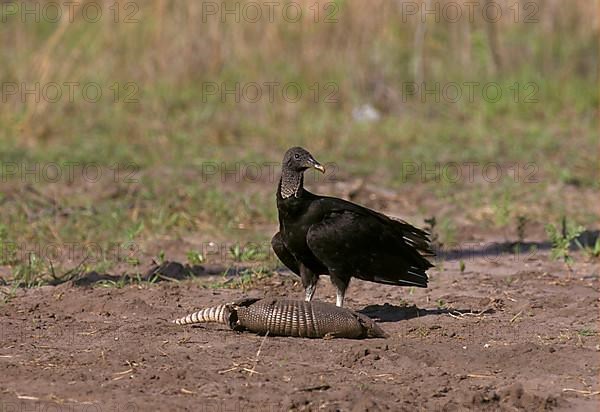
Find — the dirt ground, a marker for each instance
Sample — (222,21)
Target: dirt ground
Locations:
(508,333)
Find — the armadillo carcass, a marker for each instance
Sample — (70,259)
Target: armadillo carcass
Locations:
(283,317)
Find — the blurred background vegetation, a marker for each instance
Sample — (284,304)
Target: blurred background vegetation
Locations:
(161,55)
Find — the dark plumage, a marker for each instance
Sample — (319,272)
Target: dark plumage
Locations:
(320,235)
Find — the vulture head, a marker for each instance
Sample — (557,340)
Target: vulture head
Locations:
(298,160)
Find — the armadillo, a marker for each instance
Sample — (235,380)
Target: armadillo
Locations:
(283,317)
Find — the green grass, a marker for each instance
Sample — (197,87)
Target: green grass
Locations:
(125,281)
(587,332)
(172,132)
(246,280)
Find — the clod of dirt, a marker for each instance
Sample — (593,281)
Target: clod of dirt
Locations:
(172,270)
(360,356)
(510,398)
(369,405)
(90,278)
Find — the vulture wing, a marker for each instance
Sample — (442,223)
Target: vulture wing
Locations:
(354,240)
(284,254)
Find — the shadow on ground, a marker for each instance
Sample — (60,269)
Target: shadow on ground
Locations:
(467,250)
(393,313)
(496,250)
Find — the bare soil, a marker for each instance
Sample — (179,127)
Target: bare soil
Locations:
(508,333)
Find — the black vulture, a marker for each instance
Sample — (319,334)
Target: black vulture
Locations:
(321,235)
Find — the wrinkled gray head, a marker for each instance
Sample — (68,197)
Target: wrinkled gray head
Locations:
(297,159)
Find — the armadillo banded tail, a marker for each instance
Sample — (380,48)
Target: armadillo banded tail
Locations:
(219,314)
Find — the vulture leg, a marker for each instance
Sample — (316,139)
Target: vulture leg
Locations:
(341,284)
(339,299)
(309,281)
(310,292)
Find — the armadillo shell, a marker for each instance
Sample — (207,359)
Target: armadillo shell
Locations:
(281,317)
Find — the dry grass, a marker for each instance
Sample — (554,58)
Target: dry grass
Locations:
(369,53)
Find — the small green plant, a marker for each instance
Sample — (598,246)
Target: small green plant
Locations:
(127,280)
(30,274)
(502,210)
(447,233)
(8,250)
(134,230)
(244,280)
(462,266)
(151,280)
(236,252)
(594,251)
(586,332)
(129,250)
(430,227)
(117,284)
(132,260)
(521,224)
(247,253)
(561,241)
(247,277)
(195,258)
(160,259)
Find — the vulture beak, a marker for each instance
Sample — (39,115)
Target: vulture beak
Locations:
(316,165)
